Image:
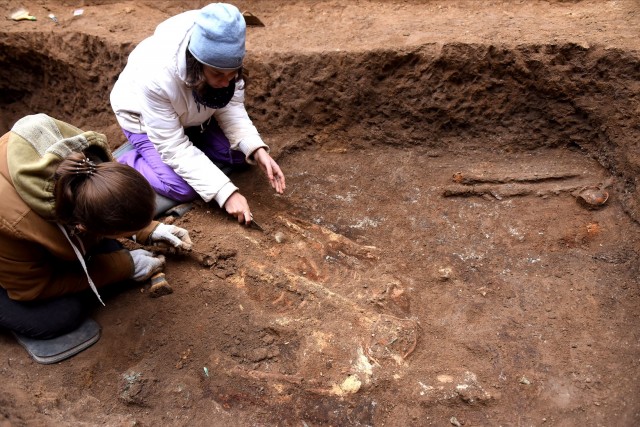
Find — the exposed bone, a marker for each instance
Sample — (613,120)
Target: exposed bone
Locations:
(335,241)
(471,178)
(203,259)
(316,288)
(507,190)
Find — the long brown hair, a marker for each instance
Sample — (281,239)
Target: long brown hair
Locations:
(105,198)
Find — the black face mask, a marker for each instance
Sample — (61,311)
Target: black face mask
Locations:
(214,98)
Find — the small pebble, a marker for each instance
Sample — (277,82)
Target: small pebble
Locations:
(445,273)
(279,236)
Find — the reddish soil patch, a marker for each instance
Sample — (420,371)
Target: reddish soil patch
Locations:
(437,265)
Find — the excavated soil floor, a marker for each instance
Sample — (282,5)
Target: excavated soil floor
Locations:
(435,262)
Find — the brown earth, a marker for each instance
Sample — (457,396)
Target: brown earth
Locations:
(435,265)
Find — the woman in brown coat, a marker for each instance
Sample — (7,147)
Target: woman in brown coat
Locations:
(65,201)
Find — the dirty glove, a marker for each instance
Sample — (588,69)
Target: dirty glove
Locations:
(171,235)
(145,264)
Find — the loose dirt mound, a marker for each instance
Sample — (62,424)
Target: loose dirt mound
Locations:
(434,261)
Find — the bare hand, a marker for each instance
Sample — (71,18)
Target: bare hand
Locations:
(236,205)
(271,169)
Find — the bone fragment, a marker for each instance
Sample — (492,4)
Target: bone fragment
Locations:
(468,178)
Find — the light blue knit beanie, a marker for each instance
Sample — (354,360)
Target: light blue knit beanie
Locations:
(218,36)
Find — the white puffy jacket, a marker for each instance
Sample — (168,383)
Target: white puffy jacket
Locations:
(151,97)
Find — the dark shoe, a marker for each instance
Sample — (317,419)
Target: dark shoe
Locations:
(163,204)
(57,349)
(179,210)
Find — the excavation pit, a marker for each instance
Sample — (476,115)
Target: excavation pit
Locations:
(438,262)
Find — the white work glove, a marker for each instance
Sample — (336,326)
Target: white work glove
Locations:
(145,264)
(171,235)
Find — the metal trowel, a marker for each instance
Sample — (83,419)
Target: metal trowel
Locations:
(253,224)
(252,20)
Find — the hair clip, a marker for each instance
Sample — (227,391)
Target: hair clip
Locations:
(85,166)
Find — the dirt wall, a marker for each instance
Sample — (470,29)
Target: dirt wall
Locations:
(542,95)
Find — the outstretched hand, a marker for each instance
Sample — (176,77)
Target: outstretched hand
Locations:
(271,169)
(237,205)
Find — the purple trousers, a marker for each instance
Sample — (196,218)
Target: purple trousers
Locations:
(144,158)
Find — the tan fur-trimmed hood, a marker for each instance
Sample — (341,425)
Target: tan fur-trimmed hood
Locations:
(36,145)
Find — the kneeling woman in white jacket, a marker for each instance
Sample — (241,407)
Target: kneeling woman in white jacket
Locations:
(180,103)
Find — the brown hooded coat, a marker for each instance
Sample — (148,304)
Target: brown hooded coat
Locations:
(36,259)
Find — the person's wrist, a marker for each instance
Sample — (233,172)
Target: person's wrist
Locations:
(252,156)
(133,265)
(225,192)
